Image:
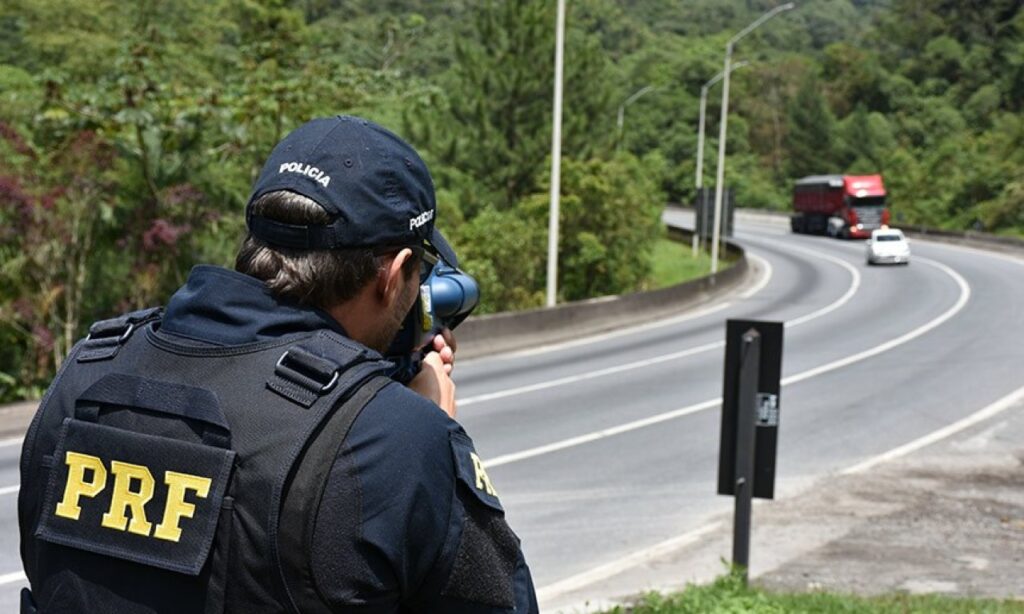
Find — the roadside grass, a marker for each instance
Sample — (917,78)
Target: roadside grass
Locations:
(673,263)
(728,595)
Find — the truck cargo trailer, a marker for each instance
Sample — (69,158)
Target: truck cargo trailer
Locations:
(847,206)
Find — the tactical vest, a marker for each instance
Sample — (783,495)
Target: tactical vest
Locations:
(154,475)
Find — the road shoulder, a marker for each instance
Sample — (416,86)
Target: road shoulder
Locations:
(948,518)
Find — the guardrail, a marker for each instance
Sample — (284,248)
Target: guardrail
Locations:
(974,238)
(511,331)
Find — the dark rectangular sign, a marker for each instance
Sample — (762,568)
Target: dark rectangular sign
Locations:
(768,406)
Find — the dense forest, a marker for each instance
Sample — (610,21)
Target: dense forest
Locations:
(130,132)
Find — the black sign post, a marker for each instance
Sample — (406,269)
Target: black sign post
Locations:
(704,206)
(750,422)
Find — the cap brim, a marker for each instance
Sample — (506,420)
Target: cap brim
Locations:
(444,250)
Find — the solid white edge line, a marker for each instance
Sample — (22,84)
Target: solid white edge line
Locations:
(765,277)
(639,557)
(601,434)
(7,490)
(981,415)
(965,294)
(855,280)
(668,546)
(642,556)
(762,282)
(10,578)
(692,315)
(698,313)
(651,553)
(571,379)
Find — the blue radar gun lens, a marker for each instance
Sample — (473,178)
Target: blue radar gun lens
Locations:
(447,297)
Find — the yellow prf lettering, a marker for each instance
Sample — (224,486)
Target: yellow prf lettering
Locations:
(76,486)
(177,508)
(482,481)
(124,498)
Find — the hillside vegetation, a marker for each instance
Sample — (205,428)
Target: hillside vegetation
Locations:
(130,132)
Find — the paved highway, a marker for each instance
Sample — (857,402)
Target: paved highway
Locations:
(608,449)
(605,450)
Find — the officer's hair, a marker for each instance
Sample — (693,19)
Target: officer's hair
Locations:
(319,278)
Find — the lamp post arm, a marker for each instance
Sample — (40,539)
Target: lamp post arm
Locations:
(720,179)
(637,94)
(622,113)
(760,20)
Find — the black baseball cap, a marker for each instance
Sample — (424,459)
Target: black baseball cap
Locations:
(372,182)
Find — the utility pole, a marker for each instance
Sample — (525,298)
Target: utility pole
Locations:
(717,228)
(556,159)
(700,155)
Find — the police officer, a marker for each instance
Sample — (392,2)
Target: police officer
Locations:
(242,451)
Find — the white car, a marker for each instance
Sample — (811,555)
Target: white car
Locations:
(888,246)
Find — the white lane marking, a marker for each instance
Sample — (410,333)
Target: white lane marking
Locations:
(765,277)
(601,434)
(10,578)
(981,415)
(651,553)
(13,441)
(668,546)
(692,315)
(572,379)
(639,557)
(6,490)
(965,293)
(977,251)
(855,280)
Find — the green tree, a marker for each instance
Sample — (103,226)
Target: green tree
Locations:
(610,219)
(809,137)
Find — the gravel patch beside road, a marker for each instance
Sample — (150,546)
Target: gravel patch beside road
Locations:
(947,520)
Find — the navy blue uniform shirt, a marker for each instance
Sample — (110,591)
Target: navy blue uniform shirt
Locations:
(409,521)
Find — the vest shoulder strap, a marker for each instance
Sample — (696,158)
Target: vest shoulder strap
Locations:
(107,336)
(302,501)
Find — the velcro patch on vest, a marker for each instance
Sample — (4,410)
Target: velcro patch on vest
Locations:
(472,473)
(146,499)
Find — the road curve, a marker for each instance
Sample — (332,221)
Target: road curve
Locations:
(594,469)
(606,448)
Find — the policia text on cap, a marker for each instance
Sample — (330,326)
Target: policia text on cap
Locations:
(244,451)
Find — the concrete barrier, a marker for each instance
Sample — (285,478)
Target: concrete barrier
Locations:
(511,331)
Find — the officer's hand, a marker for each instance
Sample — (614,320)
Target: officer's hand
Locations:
(433,382)
(444,344)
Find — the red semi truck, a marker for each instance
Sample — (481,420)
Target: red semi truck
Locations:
(848,206)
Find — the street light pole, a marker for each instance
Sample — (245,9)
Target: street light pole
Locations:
(622,112)
(700,152)
(720,180)
(556,159)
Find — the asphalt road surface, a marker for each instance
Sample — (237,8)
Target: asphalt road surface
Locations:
(605,450)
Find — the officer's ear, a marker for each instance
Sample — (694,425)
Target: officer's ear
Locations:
(391,276)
